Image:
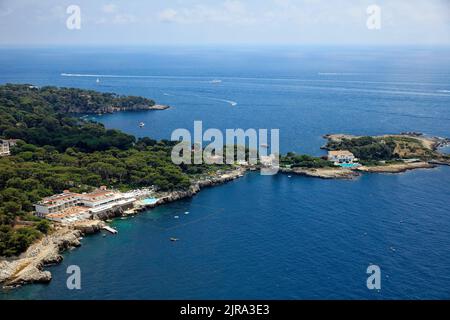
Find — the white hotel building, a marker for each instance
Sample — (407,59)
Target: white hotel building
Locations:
(69,207)
(56,203)
(103,200)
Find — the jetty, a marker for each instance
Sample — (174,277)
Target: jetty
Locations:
(109,229)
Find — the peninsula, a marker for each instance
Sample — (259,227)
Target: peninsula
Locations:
(53,155)
(393,153)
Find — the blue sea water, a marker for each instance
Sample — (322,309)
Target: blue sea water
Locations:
(260,236)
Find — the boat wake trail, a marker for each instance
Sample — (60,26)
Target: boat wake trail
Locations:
(230,102)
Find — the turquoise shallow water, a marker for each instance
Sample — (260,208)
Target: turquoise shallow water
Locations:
(268,237)
(150,201)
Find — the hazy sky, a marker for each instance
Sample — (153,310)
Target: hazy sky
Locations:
(149,22)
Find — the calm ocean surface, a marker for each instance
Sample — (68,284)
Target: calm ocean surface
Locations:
(267,237)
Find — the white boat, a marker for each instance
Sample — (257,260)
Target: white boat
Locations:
(216,81)
(98,80)
(141,124)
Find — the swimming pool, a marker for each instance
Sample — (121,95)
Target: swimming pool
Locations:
(150,200)
(349,165)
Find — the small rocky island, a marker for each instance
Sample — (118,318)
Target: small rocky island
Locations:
(379,154)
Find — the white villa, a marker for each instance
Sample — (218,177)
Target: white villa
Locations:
(5,145)
(268,161)
(341,156)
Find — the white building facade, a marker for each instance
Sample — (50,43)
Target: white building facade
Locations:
(341,156)
(5,146)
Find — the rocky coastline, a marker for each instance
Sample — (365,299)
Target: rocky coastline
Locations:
(29,267)
(113,109)
(137,108)
(323,173)
(397,168)
(167,197)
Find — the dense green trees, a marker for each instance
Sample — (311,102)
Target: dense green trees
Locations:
(56,152)
(304,161)
(367,148)
(34,172)
(14,241)
(71,100)
(39,117)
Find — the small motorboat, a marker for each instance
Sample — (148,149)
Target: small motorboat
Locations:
(187,212)
(176,217)
(174,239)
(141,125)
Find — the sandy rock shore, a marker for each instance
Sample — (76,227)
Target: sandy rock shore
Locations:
(29,266)
(397,167)
(323,173)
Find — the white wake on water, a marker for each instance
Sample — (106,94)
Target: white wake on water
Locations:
(230,102)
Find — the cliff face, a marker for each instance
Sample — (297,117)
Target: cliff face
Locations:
(89,226)
(198,185)
(28,268)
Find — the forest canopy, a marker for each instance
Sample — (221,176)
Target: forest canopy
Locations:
(56,152)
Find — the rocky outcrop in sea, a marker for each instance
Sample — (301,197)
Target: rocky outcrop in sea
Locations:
(29,267)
